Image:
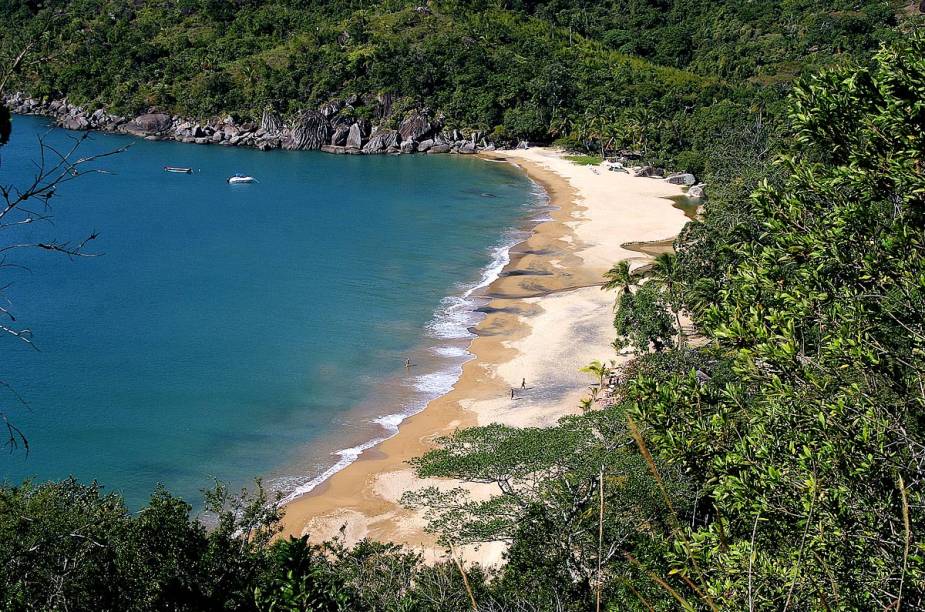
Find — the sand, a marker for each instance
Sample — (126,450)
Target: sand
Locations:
(547,320)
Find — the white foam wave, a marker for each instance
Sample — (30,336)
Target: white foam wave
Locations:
(436,383)
(449,351)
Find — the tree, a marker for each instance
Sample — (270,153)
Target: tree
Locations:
(665,273)
(642,319)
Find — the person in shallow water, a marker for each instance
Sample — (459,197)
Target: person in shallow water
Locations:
(407,362)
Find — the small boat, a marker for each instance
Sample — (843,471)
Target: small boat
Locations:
(178,170)
(241,178)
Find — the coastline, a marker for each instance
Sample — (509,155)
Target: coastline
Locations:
(545,298)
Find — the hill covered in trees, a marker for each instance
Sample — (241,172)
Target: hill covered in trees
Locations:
(657,77)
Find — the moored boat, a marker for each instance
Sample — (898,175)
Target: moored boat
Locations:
(241,178)
(178,170)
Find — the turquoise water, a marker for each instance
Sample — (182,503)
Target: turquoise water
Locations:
(227,332)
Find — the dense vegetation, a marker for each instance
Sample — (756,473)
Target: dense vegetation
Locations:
(660,77)
(769,457)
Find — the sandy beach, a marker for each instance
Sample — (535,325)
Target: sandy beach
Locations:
(547,318)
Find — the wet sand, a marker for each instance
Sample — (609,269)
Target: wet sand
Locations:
(547,318)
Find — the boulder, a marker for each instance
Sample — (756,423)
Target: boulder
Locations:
(697,191)
(439,148)
(201,140)
(416,126)
(466,148)
(340,136)
(270,122)
(681,178)
(408,146)
(149,123)
(646,171)
(382,141)
(310,130)
(425,144)
(75,122)
(334,149)
(355,137)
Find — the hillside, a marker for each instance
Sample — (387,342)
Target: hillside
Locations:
(659,77)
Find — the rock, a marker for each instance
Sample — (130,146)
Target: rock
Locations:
(425,144)
(201,140)
(216,137)
(416,126)
(697,191)
(331,108)
(646,171)
(467,148)
(340,136)
(354,137)
(384,105)
(439,148)
(408,146)
(149,123)
(270,122)
(681,178)
(78,122)
(333,149)
(382,141)
(309,131)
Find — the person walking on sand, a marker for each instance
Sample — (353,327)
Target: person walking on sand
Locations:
(523,383)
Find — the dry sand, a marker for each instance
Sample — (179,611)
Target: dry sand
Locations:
(547,320)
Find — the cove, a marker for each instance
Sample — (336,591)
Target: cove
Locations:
(232,331)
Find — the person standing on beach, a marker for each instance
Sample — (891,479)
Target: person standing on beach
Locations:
(523,383)
(512,392)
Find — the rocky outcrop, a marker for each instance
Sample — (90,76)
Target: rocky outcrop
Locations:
(697,191)
(355,137)
(381,142)
(149,124)
(681,178)
(649,171)
(310,130)
(339,138)
(333,127)
(416,126)
(270,122)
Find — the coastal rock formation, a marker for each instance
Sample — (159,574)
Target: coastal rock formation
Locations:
(310,130)
(381,141)
(149,124)
(270,122)
(341,133)
(332,128)
(416,126)
(355,137)
(681,178)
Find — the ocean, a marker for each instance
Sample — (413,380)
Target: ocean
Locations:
(228,332)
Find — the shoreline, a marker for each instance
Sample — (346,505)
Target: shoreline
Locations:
(547,294)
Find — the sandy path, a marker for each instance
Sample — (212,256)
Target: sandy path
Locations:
(547,320)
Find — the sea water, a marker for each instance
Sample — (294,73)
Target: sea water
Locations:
(226,332)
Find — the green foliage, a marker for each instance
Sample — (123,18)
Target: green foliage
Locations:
(585,160)
(643,319)
(561,69)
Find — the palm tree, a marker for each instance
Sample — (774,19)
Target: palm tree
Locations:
(666,273)
(619,277)
(600,371)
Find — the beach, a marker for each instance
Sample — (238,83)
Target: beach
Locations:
(547,318)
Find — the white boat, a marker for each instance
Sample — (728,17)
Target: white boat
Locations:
(241,178)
